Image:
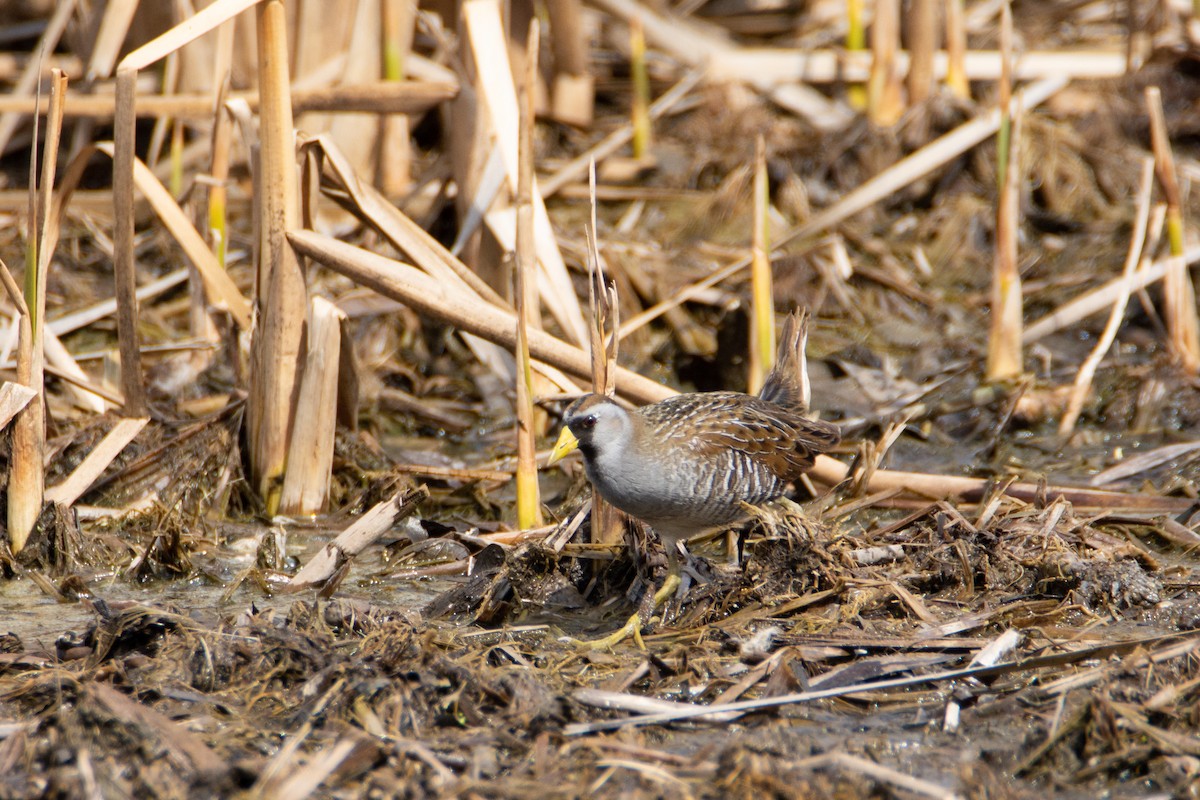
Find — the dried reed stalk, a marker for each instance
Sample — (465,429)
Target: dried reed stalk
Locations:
(885,101)
(1083,379)
(1004,359)
(281,297)
(397,26)
(1179,295)
(856,42)
(310,455)
(125,278)
(525,293)
(443,301)
(376,97)
(780,65)
(762,296)
(956,49)
(639,116)
(26,479)
(922,43)
(573,95)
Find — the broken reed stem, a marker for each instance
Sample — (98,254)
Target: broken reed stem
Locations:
(1179,296)
(125,277)
(884,103)
(1087,370)
(762,302)
(305,488)
(956,50)
(1004,359)
(640,115)
(281,296)
(528,501)
(573,94)
(26,480)
(922,43)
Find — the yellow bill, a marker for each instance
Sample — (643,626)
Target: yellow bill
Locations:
(565,444)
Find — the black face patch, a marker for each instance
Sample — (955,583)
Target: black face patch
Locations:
(584,423)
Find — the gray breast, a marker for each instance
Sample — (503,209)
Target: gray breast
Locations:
(682,497)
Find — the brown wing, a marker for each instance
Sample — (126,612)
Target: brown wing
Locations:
(709,423)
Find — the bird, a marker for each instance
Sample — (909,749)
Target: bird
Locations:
(694,462)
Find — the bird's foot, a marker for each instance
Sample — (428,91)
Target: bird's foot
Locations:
(633,626)
(669,588)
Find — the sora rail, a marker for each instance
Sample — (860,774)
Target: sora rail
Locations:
(689,463)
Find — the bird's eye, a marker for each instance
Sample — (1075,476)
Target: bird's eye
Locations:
(587,423)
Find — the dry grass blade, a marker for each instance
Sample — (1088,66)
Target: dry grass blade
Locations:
(13,398)
(376,97)
(190,29)
(606,526)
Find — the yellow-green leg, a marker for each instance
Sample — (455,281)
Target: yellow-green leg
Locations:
(633,627)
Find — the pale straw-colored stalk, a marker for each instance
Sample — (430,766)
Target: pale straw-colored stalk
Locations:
(762,299)
(528,500)
(1004,360)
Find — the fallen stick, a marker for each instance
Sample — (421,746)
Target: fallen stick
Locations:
(352,541)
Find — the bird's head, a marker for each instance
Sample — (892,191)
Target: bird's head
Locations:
(591,423)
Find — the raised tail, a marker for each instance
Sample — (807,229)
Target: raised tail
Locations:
(787,383)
